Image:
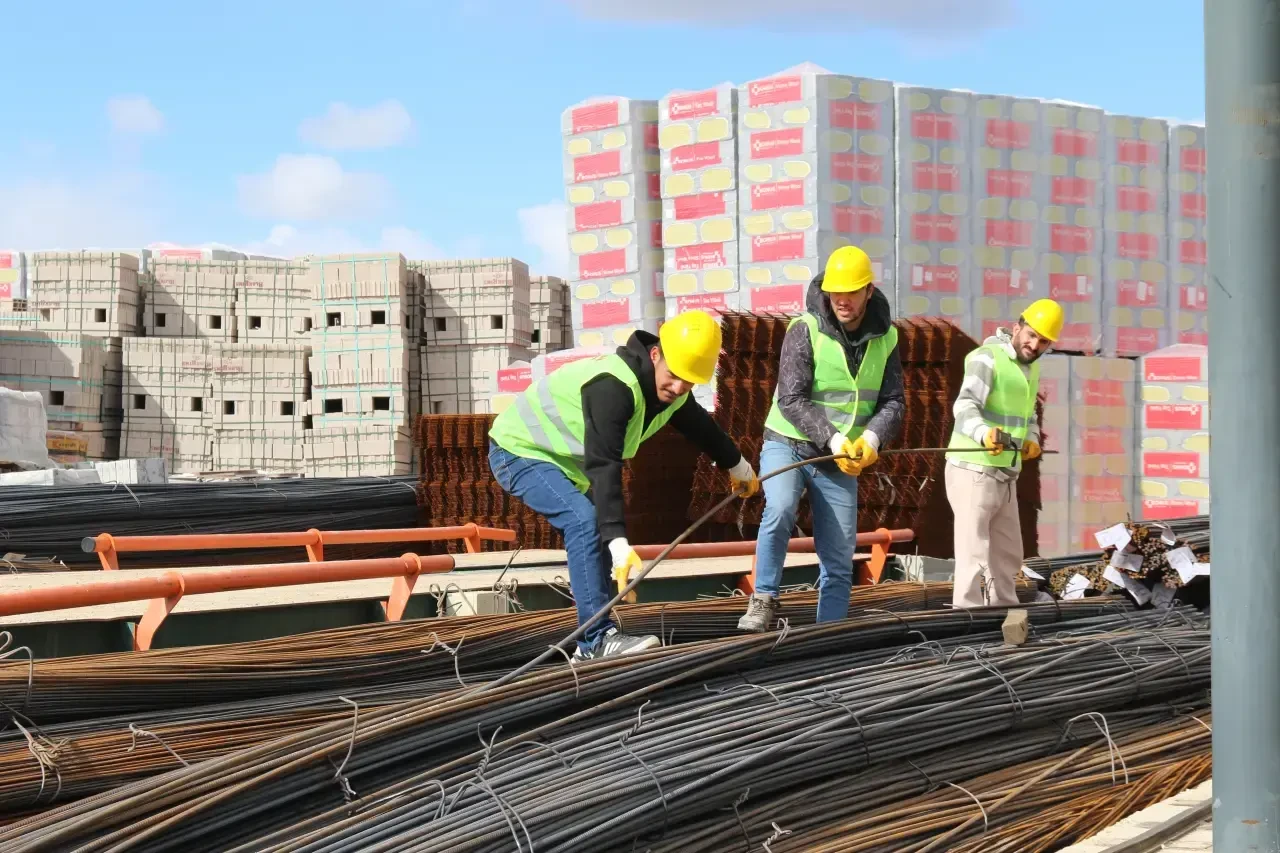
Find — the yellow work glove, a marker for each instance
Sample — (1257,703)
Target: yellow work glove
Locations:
(1030,450)
(864,453)
(842,445)
(744,476)
(625,559)
(997,441)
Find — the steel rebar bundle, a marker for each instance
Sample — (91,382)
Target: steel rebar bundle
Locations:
(583,757)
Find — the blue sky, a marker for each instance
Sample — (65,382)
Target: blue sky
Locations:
(433,127)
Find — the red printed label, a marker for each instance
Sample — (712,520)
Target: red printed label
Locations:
(1051,490)
(935,126)
(1075,143)
(602,264)
(1006,183)
(1194,160)
(1193,206)
(1174,416)
(935,279)
(1053,391)
(1069,287)
(693,105)
(704,257)
(1165,509)
(1081,192)
(655,186)
(1173,368)
(1135,199)
(775,90)
(1193,252)
(777,247)
(851,115)
(1071,239)
(595,117)
(595,167)
(515,379)
(1145,247)
(1170,464)
(779,299)
(1131,293)
(774,196)
(858,220)
(1135,152)
(609,312)
(934,228)
(1078,337)
(788,142)
(655,234)
(700,206)
(696,156)
(1193,297)
(1005,283)
(1102,440)
(1130,341)
(1101,490)
(8,260)
(651,136)
(1004,133)
(1197,338)
(1008,234)
(601,214)
(933,177)
(713,303)
(1105,392)
(857,167)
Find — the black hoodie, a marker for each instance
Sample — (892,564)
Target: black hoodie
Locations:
(607,406)
(795,373)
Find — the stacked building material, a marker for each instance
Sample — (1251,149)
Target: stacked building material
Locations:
(817,172)
(1071,229)
(168,401)
(259,402)
(1188,234)
(13,276)
(612,174)
(934,198)
(549,314)
(272,301)
(190,299)
(1053,521)
(1174,433)
(91,293)
(1135,268)
(1149,561)
(1100,445)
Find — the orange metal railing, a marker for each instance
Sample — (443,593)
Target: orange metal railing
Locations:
(109,548)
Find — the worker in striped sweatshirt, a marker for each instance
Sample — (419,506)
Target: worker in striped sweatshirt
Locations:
(996,411)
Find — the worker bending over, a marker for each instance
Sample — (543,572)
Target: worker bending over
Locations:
(839,391)
(996,410)
(561,445)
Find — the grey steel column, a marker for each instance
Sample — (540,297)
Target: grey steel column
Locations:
(1242,62)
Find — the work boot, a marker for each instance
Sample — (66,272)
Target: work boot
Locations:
(762,610)
(616,643)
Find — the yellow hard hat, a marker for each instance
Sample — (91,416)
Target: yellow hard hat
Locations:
(691,345)
(848,270)
(1044,316)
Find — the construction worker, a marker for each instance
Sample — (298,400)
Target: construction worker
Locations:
(560,449)
(839,392)
(996,410)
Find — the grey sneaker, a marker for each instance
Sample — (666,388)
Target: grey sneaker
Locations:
(616,643)
(762,610)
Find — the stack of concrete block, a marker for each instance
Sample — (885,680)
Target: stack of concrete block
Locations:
(1188,234)
(1174,433)
(1053,523)
(612,177)
(1135,269)
(190,299)
(1100,445)
(934,199)
(358,452)
(1071,224)
(13,276)
(272,301)
(463,380)
(259,402)
(698,137)
(92,293)
(1010,189)
(548,311)
(512,380)
(168,402)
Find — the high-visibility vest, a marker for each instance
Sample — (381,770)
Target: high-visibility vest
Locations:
(545,422)
(848,402)
(1010,406)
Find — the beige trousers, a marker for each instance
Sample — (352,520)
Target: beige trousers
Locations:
(988,537)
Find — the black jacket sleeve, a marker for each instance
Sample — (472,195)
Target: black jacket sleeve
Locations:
(795,384)
(891,404)
(697,425)
(607,406)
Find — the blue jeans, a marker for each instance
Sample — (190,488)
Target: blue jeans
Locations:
(547,491)
(833,495)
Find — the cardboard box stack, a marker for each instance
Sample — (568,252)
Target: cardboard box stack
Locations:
(1071,223)
(934,199)
(1174,433)
(1188,235)
(612,177)
(92,293)
(816,167)
(190,299)
(272,301)
(698,138)
(1054,522)
(168,402)
(1010,190)
(259,401)
(1100,446)
(1135,269)
(549,313)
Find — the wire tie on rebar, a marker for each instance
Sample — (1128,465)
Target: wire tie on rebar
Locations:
(1201,722)
(488,749)
(351,746)
(46,759)
(436,641)
(778,833)
(907,652)
(577,688)
(985,823)
(6,639)
(558,581)
(722,691)
(539,745)
(505,807)
(639,722)
(932,785)
(782,635)
(666,815)
(735,805)
(1113,750)
(1137,679)
(1185,666)
(989,666)
(135,732)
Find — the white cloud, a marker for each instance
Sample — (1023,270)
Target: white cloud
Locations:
(312,187)
(134,115)
(289,241)
(917,17)
(116,211)
(412,244)
(543,228)
(347,128)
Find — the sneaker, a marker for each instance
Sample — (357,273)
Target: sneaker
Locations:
(615,643)
(762,610)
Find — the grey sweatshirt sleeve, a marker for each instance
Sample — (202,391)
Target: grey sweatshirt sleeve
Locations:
(891,404)
(979,374)
(795,382)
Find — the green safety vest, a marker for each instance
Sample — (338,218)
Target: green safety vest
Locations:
(849,402)
(1010,406)
(545,421)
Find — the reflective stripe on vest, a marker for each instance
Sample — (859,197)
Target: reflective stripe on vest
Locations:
(849,403)
(1010,406)
(545,422)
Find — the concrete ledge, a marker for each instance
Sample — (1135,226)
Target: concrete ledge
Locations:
(1172,825)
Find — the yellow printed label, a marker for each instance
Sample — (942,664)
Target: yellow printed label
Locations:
(841,193)
(873,144)
(1121,174)
(1150,178)
(916,254)
(1123,127)
(839,88)
(989,308)
(917,101)
(988,158)
(798,273)
(652,162)
(1023,259)
(1056,117)
(1055,215)
(617,189)
(623,287)
(1026,111)
(1121,316)
(993,208)
(613,139)
(873,196)
(953,205)
(920,152)
(951,257)
(839,142)
(591,339)
(798,115)
(681,183)
(1086,218)
(578,147)
(874,91)
(876,247)
(1196,393)
(797,169)
(1125,269)
(581,244)
(917,304)
(679,234)
(1185,322)
(988,257)
(756,121)
(759,276)
(581,195)
(759,173)
(918,202)
(713,129)
(988,108)
(1153,131)
(681,283)
(1186,136)
(1185,230)
(1153,271)
(1155,442)
(719,230)
(1186,275)
(587,291)
(1125,221)
(1185,182)
(1199,442)
(617,238)
(951,155)
(1193,488)
(1083,312)
(1023,210)
(674,135)
(1054,264)
(716,180)
(718,281)
(757,224)
(1086,265)
(1023,161)
(1090,120)
(797,220)
(954,105)
(952,306)
(1152,318)
(1151,223)
(1155,394)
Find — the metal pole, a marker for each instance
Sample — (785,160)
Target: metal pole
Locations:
(1242,62)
